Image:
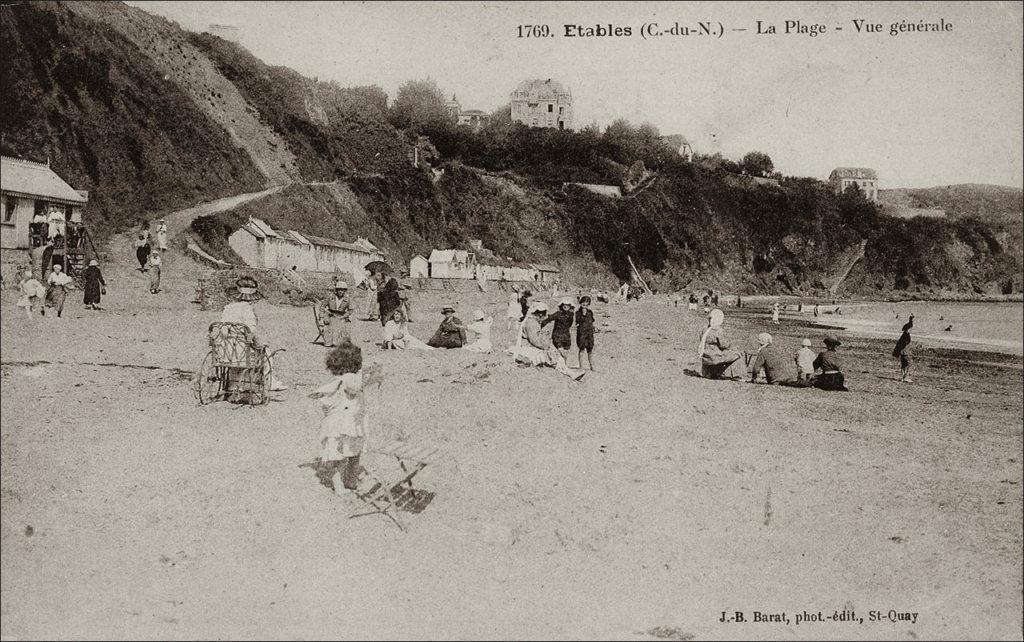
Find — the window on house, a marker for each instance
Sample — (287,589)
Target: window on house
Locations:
(40,208)
(561,110)
(10,203)
(551,108)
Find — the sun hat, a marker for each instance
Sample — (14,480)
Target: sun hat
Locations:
(94,262)
(247,289)
(584,299)
(764,338)
(567,301)
(478,315)
(540,307)
(57,266)
(340,285)
(806,343)
(832,340)
(447,308)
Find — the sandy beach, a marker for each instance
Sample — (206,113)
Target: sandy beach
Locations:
(643,501)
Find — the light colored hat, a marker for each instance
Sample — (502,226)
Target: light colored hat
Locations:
(247,288)
(806,343)
(340,285)
(540,307)
(58,266)
(567,301)
(478,315)
(447,308)
(715,318)
(94,262)
(764,338)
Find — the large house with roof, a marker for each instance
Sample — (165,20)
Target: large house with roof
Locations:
(865,178)
(542,103)
(30,191)
(259,245)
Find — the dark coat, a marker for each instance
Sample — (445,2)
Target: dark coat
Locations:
(93,285)
(388,300)
(450,334)
(560,331)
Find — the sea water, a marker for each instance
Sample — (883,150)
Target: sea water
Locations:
(997,326)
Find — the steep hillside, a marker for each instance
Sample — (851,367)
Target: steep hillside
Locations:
(149,117)
(79,93)
(332,131)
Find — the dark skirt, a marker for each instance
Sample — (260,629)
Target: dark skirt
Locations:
(439,340)
(830,381)
(93,290)
(561,340)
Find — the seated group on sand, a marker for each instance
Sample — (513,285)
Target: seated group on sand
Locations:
(720,361)
(451,333)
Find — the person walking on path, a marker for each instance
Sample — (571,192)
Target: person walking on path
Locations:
(903,350)
(57,286)
(142,251)
(154,272)
(161,235)
(775,313)
(95,286)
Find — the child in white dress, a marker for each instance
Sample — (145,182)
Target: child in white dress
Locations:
(344,426)
(32,291)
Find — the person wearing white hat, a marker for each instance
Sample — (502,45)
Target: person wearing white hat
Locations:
(32,291)
(534,347)
(717,359)
(57,286)
(481,330)
(95,286)
(161,235)
(805,362)
(241,311)
(339,315)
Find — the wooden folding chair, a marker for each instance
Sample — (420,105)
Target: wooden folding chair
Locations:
(320,319)
(386,496)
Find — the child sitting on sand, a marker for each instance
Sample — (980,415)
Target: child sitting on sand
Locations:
(343,428)
(805,362)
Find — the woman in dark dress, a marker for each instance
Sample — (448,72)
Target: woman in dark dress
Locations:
(831,366)
(451,333)
(94,285)
(142,250)
(388,299)
(561,331)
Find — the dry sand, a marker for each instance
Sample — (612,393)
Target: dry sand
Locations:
(643,497)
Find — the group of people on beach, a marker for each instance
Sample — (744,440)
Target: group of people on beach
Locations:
(719,360)
(33,294)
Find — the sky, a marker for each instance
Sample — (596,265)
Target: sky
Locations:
(923,109)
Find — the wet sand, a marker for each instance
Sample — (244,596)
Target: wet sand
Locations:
(643,497)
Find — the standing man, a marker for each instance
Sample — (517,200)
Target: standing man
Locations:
(902,351)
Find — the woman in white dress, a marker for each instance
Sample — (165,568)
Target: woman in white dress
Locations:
(481,329)
(397,335)
(161,235)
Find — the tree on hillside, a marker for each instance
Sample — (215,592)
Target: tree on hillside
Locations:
(419,103)
(757,164)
